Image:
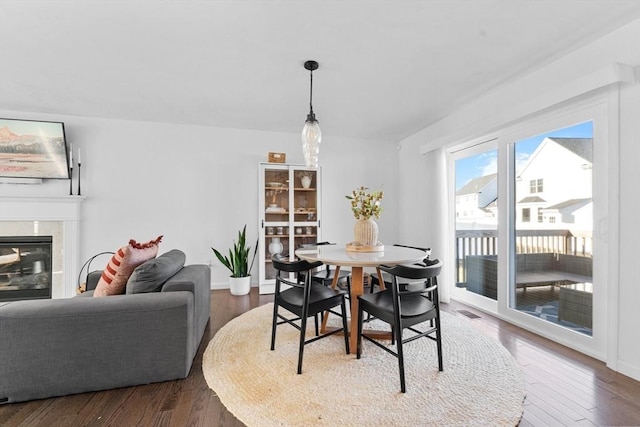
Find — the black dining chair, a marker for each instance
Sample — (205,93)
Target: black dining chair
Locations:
(375,281)
(326,275)
(404,309)
(304,298)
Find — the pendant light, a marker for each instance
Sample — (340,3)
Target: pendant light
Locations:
(311,135)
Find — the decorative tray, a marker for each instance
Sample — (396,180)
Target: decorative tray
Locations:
(357,247)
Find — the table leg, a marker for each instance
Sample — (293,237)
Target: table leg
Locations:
(357,289)
(380,279)
(334,283)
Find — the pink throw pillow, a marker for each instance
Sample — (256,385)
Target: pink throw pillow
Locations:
(114,277)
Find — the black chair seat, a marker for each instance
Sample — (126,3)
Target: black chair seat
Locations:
(327,275)
(380,305)
(318,295)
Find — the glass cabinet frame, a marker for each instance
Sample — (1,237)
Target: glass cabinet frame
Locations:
(289,213)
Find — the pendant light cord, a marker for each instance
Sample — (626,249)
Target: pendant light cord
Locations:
(311,92)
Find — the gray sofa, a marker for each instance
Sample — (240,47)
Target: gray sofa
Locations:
(57,347)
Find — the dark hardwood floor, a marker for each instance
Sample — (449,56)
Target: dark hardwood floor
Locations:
(564,387)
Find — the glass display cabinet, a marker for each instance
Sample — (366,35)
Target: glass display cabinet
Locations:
(289,212)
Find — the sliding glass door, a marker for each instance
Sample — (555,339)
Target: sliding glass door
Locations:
(530,227)
(553,227)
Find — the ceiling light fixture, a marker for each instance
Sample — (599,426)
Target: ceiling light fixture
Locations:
(311,135)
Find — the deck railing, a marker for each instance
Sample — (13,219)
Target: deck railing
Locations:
(485,242)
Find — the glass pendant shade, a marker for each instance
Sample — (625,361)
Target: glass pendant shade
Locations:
(311,139)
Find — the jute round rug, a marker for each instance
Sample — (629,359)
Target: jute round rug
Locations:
(481,384)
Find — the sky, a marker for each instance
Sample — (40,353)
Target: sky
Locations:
(485,163)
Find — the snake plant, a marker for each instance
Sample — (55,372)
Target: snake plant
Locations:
(238,260)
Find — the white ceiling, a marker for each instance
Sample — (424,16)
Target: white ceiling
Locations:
(387,68)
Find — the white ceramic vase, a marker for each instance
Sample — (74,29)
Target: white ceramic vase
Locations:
(365,232)
(239,285)
(275,247)
(306,181)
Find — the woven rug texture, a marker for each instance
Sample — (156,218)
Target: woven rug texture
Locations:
(481,384)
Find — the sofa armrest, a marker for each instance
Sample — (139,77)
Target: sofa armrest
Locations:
(195,278)
(64,346)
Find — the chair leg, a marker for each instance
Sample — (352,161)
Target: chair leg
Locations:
(439,343)
(359,341)
(274,325)
(303,330)
(315,318)
(403,387)
(345,326)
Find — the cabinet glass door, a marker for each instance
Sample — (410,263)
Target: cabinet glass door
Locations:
(305,207)
(276,217)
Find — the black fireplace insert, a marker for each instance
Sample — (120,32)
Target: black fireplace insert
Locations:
(25,267)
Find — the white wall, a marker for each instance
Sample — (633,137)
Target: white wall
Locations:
(197,185)
(550,85)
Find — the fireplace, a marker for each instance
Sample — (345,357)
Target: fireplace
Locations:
(25,267)
(58,217)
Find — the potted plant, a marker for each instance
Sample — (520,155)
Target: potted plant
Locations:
(238,263)
(364,205)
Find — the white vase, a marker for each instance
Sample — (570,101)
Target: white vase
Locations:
(365,232)
(240,285)
(306,181)
(275,247)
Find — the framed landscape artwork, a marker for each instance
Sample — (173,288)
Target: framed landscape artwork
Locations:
(33,149)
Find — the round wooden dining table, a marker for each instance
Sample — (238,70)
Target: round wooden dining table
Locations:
(339,256)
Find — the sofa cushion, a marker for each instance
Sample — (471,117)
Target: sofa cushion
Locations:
(114,277)
(152,274)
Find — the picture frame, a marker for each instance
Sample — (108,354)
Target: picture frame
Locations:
(33,149)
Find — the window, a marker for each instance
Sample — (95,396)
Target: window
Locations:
(535,186)
(552,219)
(526,215)
(540,218)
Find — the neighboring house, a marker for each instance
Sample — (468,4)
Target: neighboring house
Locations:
(475,202)
(550,188)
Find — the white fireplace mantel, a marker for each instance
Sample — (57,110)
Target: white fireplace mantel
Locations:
(65,209)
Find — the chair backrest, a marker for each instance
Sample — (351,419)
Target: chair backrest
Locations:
(282,263)
(426,250)
(417,274)
(311,245)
